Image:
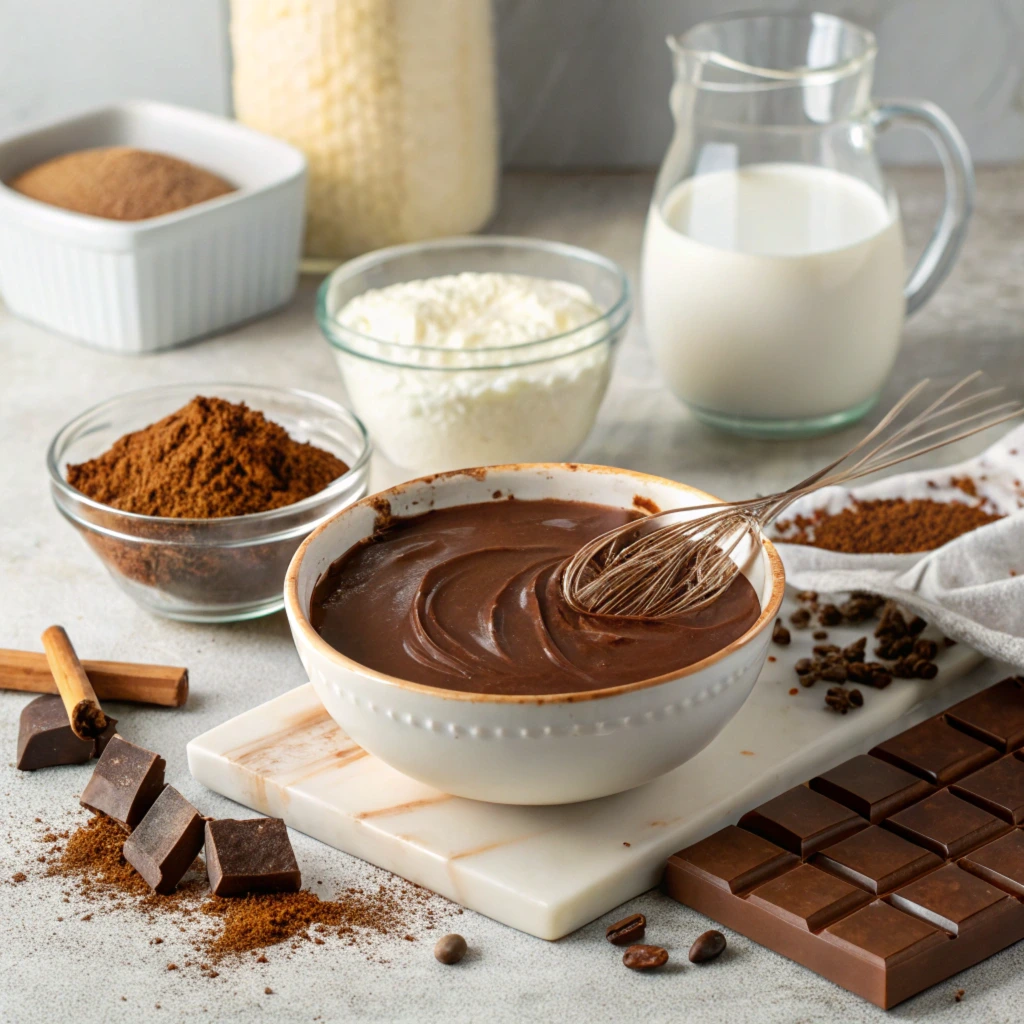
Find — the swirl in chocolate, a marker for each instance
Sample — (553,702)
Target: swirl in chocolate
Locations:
(468,598)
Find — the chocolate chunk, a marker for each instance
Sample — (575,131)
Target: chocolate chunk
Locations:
(450,949)
(736,860)
(125,782)
(627,931)
(45,737)
(166,841)
(644,958)
(706,947)
(953,899)
(250,855)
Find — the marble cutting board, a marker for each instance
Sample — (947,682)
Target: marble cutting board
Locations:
(550,870)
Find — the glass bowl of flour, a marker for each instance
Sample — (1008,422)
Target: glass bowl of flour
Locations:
(470,352)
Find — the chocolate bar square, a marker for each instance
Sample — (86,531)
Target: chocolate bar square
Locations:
(998,788)
(250,855)
(166,841)
(125,782)
(873,788)
(884,934)
(736,860)
(995,715)
(936,752)
(877,860)
(957,902)
(946,825)
(1000,863)
(802,821)
(808,897)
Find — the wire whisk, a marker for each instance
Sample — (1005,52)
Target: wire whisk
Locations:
(683,559)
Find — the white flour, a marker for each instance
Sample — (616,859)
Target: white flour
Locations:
(474,390)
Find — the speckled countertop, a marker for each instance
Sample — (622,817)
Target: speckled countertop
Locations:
(73,970)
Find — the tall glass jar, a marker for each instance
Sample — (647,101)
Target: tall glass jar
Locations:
(392,101)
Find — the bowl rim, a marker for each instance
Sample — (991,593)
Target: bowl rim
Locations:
(300,619)
(613,317)
(333,489)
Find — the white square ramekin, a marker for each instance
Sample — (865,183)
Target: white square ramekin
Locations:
(140,286)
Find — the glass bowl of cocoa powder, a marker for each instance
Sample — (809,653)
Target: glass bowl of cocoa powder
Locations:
(195,497)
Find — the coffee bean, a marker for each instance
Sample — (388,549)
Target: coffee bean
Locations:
(450,949)
(926,649)
(807,596)
(780,634)
(829,615)
(803,666)
(707,947)
(916,625)
(643,958)
(627,931)
(856,698)
(800,619)
(926,670)
(820,634)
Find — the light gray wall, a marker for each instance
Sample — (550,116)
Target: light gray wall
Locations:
(584,83)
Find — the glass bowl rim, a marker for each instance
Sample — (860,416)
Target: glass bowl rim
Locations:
(614,317)
(270,517)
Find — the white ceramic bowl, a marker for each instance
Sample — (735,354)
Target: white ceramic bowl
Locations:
(519,749)
(138,286)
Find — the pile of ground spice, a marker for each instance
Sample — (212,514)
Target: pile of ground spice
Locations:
(889,526)
(210,459)
(119,183)
(221,927)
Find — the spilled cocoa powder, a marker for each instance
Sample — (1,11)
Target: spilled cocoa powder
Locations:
(888,525)
(219,928)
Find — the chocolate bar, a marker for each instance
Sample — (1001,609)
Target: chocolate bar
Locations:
(892,871)
(166,841)
(250,855)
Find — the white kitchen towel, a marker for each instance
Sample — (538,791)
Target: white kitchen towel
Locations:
(972,588)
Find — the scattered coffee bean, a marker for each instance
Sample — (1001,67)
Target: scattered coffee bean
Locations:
(820,634)
(707,947)
(450,949)
(856,698)
(834,672)
(916,625)
(800,619)
(829,615)
(926,649)
(627,931)
(840,700)
(643,958)
(807,596)
(958,995)
(803,666)
(780,634)
(926,670)
(855,651)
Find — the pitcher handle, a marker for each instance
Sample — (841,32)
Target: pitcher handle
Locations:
(944,246)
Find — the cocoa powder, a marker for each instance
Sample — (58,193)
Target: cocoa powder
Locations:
(890,526)
(119,183)
(210,459)
(219,928)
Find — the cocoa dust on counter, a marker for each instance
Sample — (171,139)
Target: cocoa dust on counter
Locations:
(219,928)
(890,525)
(212,458)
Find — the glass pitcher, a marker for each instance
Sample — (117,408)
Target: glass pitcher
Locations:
(774,285)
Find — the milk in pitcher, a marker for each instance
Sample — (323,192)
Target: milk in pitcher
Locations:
(774,291)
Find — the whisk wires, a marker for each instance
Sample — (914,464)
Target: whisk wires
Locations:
(683,559)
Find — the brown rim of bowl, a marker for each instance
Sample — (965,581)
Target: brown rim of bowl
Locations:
(300,615)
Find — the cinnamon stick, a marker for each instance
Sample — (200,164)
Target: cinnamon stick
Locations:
(166,685)
(80,700)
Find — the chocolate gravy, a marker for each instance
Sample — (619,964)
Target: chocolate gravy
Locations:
(468,598)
